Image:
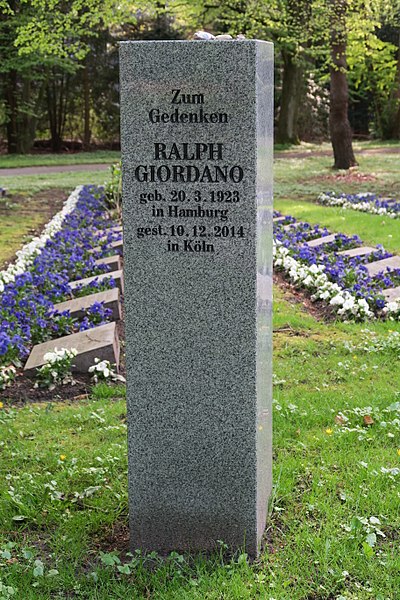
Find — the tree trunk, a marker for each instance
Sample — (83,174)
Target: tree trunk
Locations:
(25,137)
(57,105)
(340,130)
(52,113)
(396,125)
(290,100)
(87,134)
(11,106)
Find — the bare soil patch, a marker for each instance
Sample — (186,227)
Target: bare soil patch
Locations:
(23,392)
(351,176)
(319,310)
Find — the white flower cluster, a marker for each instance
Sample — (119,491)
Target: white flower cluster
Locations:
(316,281)
(392,310)
(7,376)
(51,358)
(56,369)
(102,370)
(368,207)
(27,254)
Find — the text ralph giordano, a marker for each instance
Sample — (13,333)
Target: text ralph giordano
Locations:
(188,173)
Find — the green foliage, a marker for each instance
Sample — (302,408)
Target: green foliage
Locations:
(64,31)
(113,190)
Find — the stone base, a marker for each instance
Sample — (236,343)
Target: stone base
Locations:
(78,306)
(380,265)
(100,342)
(114,262)
(392,294)
(117,275)
(320,241)
(118,245)
(358,251)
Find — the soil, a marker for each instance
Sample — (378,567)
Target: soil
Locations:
(48,202)
(319,310)
(351,176)
(23,392)
(114,538)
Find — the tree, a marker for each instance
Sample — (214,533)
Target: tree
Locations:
(43,45)
(22,83)
(340,130)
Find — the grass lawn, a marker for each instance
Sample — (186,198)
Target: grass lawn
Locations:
(334,521)
(298,182)
(23,215)
(8,161)
(66,180)
(63,486)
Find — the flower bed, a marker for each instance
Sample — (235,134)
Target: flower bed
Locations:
(39,278)
(342,281)
(367,202)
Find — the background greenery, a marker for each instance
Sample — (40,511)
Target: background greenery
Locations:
(59,63)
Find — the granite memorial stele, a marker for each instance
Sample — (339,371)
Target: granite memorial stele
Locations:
(196,138)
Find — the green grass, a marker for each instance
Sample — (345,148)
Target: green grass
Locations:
(23,215)
(63,469)
(63,485)
(307,177)
(8,161)
(372,229)
(299,181)
(65,180)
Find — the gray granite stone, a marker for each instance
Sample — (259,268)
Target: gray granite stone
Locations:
(381,265)
(392,294)
(117,275)
(198,298)
(100,342)
(113,262)
(358,251)
(321,241)
(78,306)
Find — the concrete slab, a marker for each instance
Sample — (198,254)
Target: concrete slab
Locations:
(358,251)
(118,245)
(380,265)
(78,306)
(114,262)
(392,294)
(100,342)
(106,234)
(322,240)
(291,225)
(117,275)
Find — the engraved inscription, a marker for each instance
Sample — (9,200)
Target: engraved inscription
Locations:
(179,98)
(189,218)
